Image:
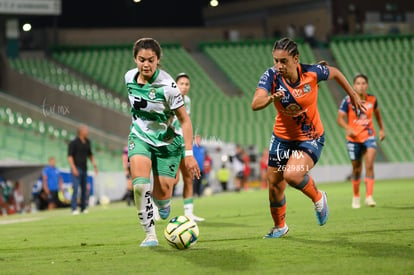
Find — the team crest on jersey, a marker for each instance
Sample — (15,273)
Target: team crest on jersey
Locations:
(131,145)
(293,107)
(307,88)
(293,110)
(152,94)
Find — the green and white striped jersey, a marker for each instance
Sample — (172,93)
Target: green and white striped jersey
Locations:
(176,123)
(152,107)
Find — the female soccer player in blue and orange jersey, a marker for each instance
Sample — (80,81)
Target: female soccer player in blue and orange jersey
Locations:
(298,133)
(361,140)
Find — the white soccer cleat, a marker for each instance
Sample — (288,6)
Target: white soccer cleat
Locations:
(356,203)
(369,201)
(321,209)
(150,240)
(277,232)
(195,218)
(75,212)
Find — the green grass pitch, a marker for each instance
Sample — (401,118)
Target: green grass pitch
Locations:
(377,240)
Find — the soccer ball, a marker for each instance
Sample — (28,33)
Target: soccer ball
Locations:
(181,232)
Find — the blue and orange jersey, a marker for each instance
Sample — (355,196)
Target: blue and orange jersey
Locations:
(297,112)
(363,125)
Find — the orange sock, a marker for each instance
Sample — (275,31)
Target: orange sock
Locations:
(278,215)
(278,211)
(309,189)
(370,186)
(355,186)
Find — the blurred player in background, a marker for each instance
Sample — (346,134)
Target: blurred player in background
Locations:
(263,168)
(184,84)
(238,168)
(129,195)
(298,134)
(200,156)
(361,139)
(153,143)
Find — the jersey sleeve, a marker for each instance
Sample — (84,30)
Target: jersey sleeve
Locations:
(266,80)
(89,148)
(321,71)
(173,96)
(71,149)
(129,76)
(344,105)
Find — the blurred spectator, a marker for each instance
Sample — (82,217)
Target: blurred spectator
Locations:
(208,164)
(18,197)
(309,33)
(238,167)
(78,153)
(263,168)
(200,155)
(6,199)
(247,170)
(291,31)
(223,176)
(39,196)
(52,184)
(129,194)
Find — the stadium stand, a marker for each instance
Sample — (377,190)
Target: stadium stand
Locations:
(59,77)
(388,63)
(32,140)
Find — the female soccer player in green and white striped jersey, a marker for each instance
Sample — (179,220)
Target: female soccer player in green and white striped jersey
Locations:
(153,143)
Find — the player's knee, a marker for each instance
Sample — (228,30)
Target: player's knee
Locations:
(293,178)
(141,185)
(369,170)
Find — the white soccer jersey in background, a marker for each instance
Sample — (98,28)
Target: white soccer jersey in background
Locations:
(176,123)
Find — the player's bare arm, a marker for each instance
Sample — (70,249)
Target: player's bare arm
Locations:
(341,120)
(378,117)
(261,99)
(73,166)
(335,74)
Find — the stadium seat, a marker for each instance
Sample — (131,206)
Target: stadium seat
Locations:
(27,139)
(49,72)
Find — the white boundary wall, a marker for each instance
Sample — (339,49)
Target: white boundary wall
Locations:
(382,171)
(113,184)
